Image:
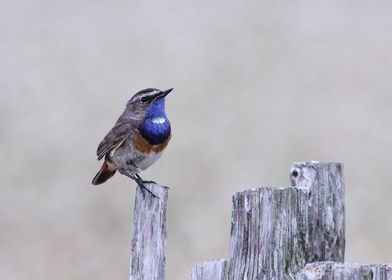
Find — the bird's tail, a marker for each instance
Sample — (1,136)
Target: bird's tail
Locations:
(107,171)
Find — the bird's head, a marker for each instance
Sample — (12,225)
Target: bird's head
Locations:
(148,103)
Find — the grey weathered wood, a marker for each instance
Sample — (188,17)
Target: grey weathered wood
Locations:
(276,231)
(322,210)
(265,241)
(148,250)
(345,271)
(210,270)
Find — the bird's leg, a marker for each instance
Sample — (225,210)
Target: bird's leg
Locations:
(147,182)
(144,181)
(138,180)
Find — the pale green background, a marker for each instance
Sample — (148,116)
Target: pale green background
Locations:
(258,85)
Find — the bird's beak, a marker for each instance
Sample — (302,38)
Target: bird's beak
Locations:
(165,92)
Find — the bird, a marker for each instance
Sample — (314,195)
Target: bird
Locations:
(138,138)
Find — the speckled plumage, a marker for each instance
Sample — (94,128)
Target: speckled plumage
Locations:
(138,138)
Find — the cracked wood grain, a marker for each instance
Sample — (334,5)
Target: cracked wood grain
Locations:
(265,241)
(345,271)
(322,209)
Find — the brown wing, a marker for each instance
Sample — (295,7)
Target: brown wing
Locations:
(115,137)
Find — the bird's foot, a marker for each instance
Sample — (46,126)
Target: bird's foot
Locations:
(143,188)
(149,182)
(140,182)
(144,181)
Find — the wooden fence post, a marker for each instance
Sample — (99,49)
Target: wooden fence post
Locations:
(265,241)
(276,231)
(294,232)
(148,252)
(322,209)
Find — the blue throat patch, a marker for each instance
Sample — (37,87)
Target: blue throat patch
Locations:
(156,127)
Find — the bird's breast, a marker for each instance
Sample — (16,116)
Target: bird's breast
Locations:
(143,145)
(137,153)
(155,130)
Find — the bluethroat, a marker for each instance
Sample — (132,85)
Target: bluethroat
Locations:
(138,138)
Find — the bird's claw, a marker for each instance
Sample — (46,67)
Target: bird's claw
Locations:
(143,188)
(140,182)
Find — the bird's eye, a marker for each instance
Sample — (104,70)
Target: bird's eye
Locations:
(144,99)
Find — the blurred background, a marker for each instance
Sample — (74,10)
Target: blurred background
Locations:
(258,85)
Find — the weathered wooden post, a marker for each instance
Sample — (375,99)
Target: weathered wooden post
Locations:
(148,252)
(276,231)
(265,241)
(322,209)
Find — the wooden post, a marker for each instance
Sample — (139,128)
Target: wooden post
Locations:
(265,240)
(344,271)
(276,231)
(148,250)
(210,270)
(322,209)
